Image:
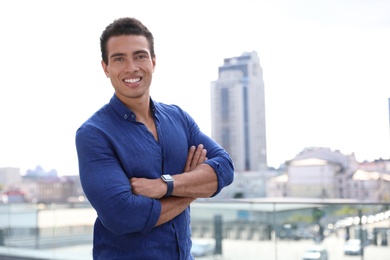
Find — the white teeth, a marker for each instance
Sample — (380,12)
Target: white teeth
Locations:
(132,80)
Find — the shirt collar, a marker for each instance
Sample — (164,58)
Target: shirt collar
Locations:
(123,111)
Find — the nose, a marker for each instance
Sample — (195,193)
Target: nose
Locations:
(132,66)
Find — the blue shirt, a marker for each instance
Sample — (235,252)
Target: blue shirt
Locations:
(113,147)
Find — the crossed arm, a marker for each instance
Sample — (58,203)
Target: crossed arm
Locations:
(197,181)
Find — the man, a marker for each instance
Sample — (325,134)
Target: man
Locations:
(142,162)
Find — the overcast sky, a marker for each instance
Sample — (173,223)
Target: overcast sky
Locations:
(326,70)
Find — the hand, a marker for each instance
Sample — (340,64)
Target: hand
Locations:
(152,188)
(195,157)
(156,188)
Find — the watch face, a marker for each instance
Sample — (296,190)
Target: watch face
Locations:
(167,177)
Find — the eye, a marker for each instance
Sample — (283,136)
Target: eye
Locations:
(141,57)
(118,59)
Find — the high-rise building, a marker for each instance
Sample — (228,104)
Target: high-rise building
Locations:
(238,111)
(389,113)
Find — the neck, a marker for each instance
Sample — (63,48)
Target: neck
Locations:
(140,106)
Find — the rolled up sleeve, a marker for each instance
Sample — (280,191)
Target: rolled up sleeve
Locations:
(108,189)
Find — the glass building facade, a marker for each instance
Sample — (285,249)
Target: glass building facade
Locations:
(238,111)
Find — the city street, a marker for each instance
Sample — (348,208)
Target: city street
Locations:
(291,250)
(234,250)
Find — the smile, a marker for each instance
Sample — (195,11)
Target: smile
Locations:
(132,80)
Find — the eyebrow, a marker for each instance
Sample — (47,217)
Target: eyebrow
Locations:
(118,54)
(142,51)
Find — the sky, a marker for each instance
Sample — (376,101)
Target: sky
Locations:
(326,66)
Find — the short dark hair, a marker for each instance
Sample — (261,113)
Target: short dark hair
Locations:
(125,26)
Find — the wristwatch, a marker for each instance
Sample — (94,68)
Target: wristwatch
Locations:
(169,181)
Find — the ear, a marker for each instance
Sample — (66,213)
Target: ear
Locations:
(154,63)
(105,69)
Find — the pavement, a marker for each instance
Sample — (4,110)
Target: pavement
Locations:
(232,250)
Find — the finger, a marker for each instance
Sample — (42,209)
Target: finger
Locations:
(202,157)
(190,156)
(197,156)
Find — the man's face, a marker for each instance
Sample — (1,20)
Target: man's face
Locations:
(130,66)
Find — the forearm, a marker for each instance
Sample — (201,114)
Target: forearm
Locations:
(171,207)
(201,182)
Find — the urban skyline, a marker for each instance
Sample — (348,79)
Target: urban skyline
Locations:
(325,66)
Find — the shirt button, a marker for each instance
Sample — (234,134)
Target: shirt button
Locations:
(126,116)
(132,115)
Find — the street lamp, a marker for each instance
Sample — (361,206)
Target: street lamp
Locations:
(38,207)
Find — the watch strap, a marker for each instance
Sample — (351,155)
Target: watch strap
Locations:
(169,182)
(170,188)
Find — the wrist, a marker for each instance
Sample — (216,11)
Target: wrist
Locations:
(169,182)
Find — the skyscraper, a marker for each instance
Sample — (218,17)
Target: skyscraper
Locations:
(238,111)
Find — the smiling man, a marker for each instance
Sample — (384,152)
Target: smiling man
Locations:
(143,162)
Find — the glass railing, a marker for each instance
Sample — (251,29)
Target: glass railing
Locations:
(274,229)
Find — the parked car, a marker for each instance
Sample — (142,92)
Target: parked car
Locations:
(202,248)
(353,247)
(315,252)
